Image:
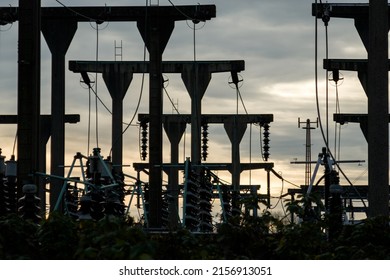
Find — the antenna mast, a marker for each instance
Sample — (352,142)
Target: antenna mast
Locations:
(308,128)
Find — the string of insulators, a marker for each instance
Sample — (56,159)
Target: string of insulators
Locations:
(144,140)
(205,196)
(165,209)
(266,141)
(226,201)
(191,199)
(205,140)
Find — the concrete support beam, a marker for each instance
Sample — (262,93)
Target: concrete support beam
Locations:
(117,81)
(235,129)
(174,131)
(372,23)
(29,69)
(58,34)
(359,65)
(378,110)
(156,33)
(114,13)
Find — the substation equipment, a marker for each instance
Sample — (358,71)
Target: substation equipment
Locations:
(102,188)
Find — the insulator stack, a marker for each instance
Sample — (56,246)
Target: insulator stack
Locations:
(29,204)
(205,196)
(236,203)
(144,140)
(226,202)
(266,141)
(120,194)
(205,140)
(10,186)
(146,199)
(97,209)
(191,196)
(165,209)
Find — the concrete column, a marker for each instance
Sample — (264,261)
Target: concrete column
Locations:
(378,110)
(58,35)
(196,78)
(155,31)
(117,80)
(29,77)
(174,131)
(235,130)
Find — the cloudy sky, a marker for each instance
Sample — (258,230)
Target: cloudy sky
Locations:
(276,38)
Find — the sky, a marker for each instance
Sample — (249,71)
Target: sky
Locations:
(275,38)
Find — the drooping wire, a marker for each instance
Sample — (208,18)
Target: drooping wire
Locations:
(75,12)
(180,11)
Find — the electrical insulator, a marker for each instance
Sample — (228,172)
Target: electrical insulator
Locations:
(191,197)
(205,196)
(236,203)
(205,140)
(266,142)
(29,204)
(97,204)
(165,209)
(146,199)
(144,139)
(226,201)
(10,186)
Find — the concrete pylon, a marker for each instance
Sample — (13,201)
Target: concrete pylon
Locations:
(235,130)
(117,80)
(174,131)
(156,32)
(196,78)
(58,34)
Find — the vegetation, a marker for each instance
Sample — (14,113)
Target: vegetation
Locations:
(264,237)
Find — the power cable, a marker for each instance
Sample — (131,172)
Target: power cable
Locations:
(180,11)
(77,13)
